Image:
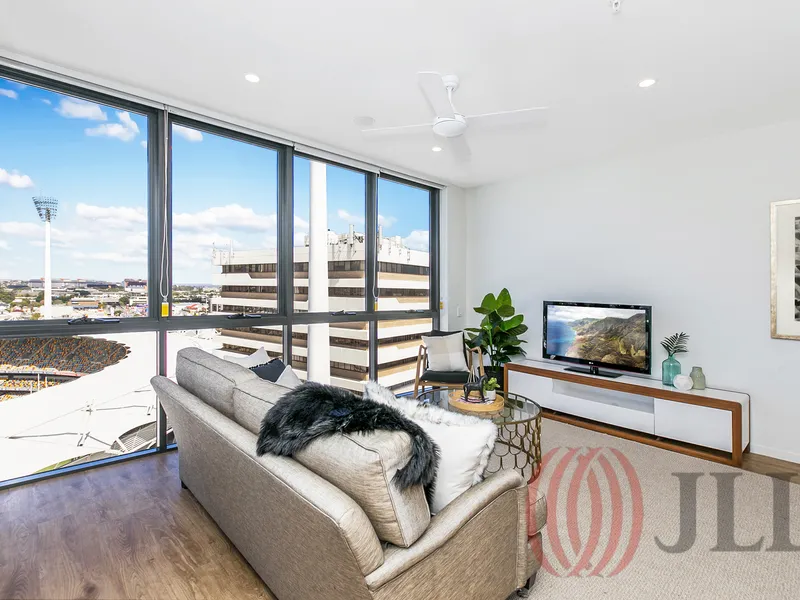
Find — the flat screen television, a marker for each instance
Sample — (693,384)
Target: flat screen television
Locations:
(616,336)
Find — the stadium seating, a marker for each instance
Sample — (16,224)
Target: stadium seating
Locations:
(78,355)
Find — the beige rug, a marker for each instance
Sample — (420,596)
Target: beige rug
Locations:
(636,500)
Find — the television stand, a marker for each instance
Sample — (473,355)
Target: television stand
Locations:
(593,371)
(712,424)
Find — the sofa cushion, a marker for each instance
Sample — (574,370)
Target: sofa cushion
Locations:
(288,378)
(269,370)
(251,401)
(363,465)
(210,378)
(259,357)
(465,442)
(537,510)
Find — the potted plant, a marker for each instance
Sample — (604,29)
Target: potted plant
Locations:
(490,388)
(673,344)
(498,334)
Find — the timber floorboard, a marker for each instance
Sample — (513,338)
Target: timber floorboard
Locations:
(118,532)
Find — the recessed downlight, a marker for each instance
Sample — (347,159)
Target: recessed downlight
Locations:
(437,148)
(252,77)
(646,83)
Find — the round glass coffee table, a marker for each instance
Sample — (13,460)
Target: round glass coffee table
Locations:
(519,427)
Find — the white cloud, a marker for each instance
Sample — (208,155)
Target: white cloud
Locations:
(46,101)
(231,216)
(143,144)
(300,223)
(349,218)
(386,221)
(114,257)
(4,244)
(15,179)
(9,93)
(125,130)
(188,134)
(116,217)
(417,240)
(21,229)
(73,108)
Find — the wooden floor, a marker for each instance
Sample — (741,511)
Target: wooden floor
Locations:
(120,531)
(774,467)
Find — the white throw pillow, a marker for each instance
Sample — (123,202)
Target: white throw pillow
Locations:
(288,378)
(465,442)
(259,357)
(445,352)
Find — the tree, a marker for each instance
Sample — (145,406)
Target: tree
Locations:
(40,297)
(7,296)
(124,300)
(36,316)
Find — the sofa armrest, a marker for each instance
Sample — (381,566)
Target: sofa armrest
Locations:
(451,519)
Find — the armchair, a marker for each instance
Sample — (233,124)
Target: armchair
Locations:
(446,379)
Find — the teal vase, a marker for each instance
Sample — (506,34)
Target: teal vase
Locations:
(669,368)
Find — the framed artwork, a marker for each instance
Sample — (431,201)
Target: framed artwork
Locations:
(785,269)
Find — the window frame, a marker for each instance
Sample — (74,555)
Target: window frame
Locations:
(159,246)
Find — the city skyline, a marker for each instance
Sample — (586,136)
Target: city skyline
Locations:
(93,159)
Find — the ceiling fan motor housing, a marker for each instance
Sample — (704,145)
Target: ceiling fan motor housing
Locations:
(450,127)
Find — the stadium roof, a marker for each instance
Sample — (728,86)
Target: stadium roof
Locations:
(44,428)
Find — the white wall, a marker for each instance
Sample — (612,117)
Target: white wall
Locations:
(684,229)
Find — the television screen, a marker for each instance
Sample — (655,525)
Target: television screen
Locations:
(612,335)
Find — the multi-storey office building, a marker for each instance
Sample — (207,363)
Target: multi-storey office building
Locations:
(339,352)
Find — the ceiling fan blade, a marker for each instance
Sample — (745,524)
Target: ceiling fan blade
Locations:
(459,148)
(435,93)
(506,118)
(401,130)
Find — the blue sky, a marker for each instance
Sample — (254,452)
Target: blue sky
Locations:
(93,159)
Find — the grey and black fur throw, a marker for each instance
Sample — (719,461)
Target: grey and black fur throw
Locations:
(313,410)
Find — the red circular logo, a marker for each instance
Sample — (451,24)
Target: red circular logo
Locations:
(594,512)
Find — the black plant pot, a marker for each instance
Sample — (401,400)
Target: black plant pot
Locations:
(497,374)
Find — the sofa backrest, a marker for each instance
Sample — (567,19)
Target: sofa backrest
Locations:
(210,378)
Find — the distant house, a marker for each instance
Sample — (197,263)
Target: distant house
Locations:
(135,286)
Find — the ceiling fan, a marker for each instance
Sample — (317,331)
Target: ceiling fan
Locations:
(449,124)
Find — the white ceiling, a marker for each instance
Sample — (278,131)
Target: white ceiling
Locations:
(720,65)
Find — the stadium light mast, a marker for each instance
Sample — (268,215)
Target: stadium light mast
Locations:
(48,209)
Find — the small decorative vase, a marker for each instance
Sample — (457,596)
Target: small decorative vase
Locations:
(669,368)
(698,378)
(682,382)
(490,394)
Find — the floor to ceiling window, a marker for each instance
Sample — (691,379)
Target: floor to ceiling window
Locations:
(214,238)
(74,198)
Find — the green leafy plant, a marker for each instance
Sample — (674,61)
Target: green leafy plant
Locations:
(491,385)
(675,343)
(499,331)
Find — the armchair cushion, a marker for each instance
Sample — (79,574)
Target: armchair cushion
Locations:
(446,352)
(452,377)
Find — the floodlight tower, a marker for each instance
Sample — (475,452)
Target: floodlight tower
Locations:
(48,209)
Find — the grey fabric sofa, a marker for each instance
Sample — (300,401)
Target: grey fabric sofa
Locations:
(307,538)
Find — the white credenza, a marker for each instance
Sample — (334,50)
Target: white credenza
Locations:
(715,422)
